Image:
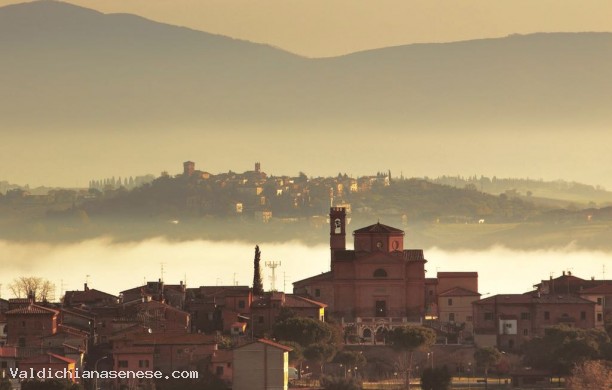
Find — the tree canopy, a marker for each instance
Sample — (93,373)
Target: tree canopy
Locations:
(411,338)
(592,374)
(437,378)
(304,331)
(32,286)
(487,357)
(257,282)
(563,347)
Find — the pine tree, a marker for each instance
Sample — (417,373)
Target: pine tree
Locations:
(257,283)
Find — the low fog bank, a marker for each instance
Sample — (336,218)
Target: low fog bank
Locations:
(113,267)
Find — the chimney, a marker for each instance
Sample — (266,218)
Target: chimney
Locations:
(85,288)
(563,273)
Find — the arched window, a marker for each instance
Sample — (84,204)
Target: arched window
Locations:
(380,273)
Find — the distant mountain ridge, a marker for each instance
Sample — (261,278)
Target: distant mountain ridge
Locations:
(71,66)
(83,94)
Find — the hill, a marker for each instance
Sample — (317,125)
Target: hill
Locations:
(232,206)
(74,66)
(84,85)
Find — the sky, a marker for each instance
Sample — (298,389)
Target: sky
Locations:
(321,28)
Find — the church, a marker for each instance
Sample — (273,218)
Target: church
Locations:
(381,282)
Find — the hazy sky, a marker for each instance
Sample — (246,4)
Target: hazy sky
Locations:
(325,28)
(330,27)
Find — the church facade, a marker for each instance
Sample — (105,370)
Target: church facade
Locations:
(379,284)
(376,279)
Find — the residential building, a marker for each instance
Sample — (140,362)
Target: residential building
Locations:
(508,320)
(88,297)
(28,325)
(265,310)
(50,363)
(261,365)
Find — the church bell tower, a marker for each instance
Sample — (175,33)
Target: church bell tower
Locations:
(337,230)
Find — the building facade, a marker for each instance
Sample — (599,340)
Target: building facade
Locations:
(261,365)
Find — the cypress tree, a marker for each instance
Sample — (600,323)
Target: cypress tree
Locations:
(257,283)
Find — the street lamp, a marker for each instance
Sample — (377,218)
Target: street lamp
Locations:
(96,370)
(432,362)
(469,373)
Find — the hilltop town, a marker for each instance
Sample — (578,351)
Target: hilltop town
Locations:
(196,204)
(349,323)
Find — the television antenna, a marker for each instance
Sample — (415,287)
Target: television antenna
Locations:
(273,265)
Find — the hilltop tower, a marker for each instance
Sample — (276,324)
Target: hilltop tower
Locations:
(188,168)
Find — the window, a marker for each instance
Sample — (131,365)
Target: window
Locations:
(510,344)
(451,317)
(241,304)
(525,332)
(468,318)
(317,292)
(260,320)
(488,316)
(4,364)
(450,301)
(123,363)
(525,316)
(547,315)
(219,370)
(430,293)
(23,324)
(599,301)
(143,363)
(22,342)
(599,317)
(380,273)
(381,308)
(583,315)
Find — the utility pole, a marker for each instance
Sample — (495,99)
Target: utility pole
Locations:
(273,265)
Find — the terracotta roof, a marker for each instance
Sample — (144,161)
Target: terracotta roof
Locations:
(78,312)
(275,345)
(604,289)
(32,309)
(87,296)
(414,255)
(532,297)
(457,274)
(133,350)
(344,255)
(7,352)
(47,358)
(292,300)
(167,338)
(458,292)
(378,228)
(322,276)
